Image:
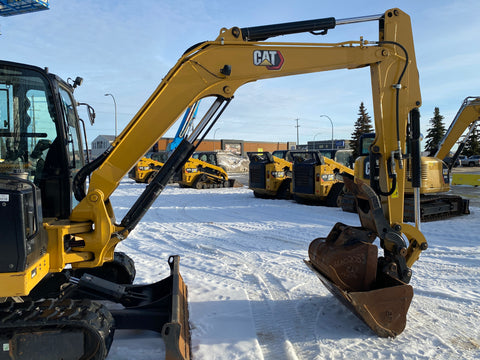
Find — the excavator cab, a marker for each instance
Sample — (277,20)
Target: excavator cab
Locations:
(36,163)
(32,116)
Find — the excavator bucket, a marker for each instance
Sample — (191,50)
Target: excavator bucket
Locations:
(349,273)
(347,263)
(161,307)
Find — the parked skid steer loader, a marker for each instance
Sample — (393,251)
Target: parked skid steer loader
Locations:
(144,171)
(203,171)
(270,176)
(55,250)
(317,179)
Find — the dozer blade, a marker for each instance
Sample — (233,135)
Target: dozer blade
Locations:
(176,333)
(349,271)
(160,307)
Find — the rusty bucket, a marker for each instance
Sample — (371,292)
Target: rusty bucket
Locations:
(349,271)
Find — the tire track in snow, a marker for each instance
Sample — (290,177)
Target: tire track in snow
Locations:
(243,251)
(269,299)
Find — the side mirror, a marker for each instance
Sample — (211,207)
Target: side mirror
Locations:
(90,111)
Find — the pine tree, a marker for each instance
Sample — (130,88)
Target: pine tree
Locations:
(472,146)
(363,125)
(435,133)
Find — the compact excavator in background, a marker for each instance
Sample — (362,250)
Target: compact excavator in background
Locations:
(59,236)
(435,204)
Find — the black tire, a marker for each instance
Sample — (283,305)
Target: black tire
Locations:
(301,200)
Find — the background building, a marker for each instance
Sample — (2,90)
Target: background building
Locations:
(100,144)
(239,147)
(327,144)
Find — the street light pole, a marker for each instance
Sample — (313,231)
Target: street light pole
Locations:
(114,103)
(331,122)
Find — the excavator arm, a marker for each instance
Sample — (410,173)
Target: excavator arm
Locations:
(466,117)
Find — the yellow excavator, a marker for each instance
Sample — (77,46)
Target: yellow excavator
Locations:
(466,118)
(435,203)
(59,236)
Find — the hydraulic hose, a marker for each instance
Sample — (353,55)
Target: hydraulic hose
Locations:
(397,87)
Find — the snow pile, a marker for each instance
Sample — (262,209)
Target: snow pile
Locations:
(231,162)
(252,297)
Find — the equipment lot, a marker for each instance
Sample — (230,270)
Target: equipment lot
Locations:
(252,297)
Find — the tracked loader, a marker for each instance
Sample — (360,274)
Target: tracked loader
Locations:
(144,171)
(203,171)
(270,176)
(317,179)
(59,236)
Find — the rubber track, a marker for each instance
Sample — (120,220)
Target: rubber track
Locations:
(65,315)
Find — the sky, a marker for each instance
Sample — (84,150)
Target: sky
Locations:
(125,48)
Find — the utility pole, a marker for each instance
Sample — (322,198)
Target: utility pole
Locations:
(297,126)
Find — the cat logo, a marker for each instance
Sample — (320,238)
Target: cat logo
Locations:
(271,59)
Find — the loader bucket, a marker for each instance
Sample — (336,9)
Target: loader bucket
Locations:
(350,273)
(161,307)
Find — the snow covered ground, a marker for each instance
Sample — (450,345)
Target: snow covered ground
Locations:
(252,297)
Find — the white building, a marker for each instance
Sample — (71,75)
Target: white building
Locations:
(100,144)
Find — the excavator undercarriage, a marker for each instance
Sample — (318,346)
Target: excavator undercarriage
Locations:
(67,321)
(432,207)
